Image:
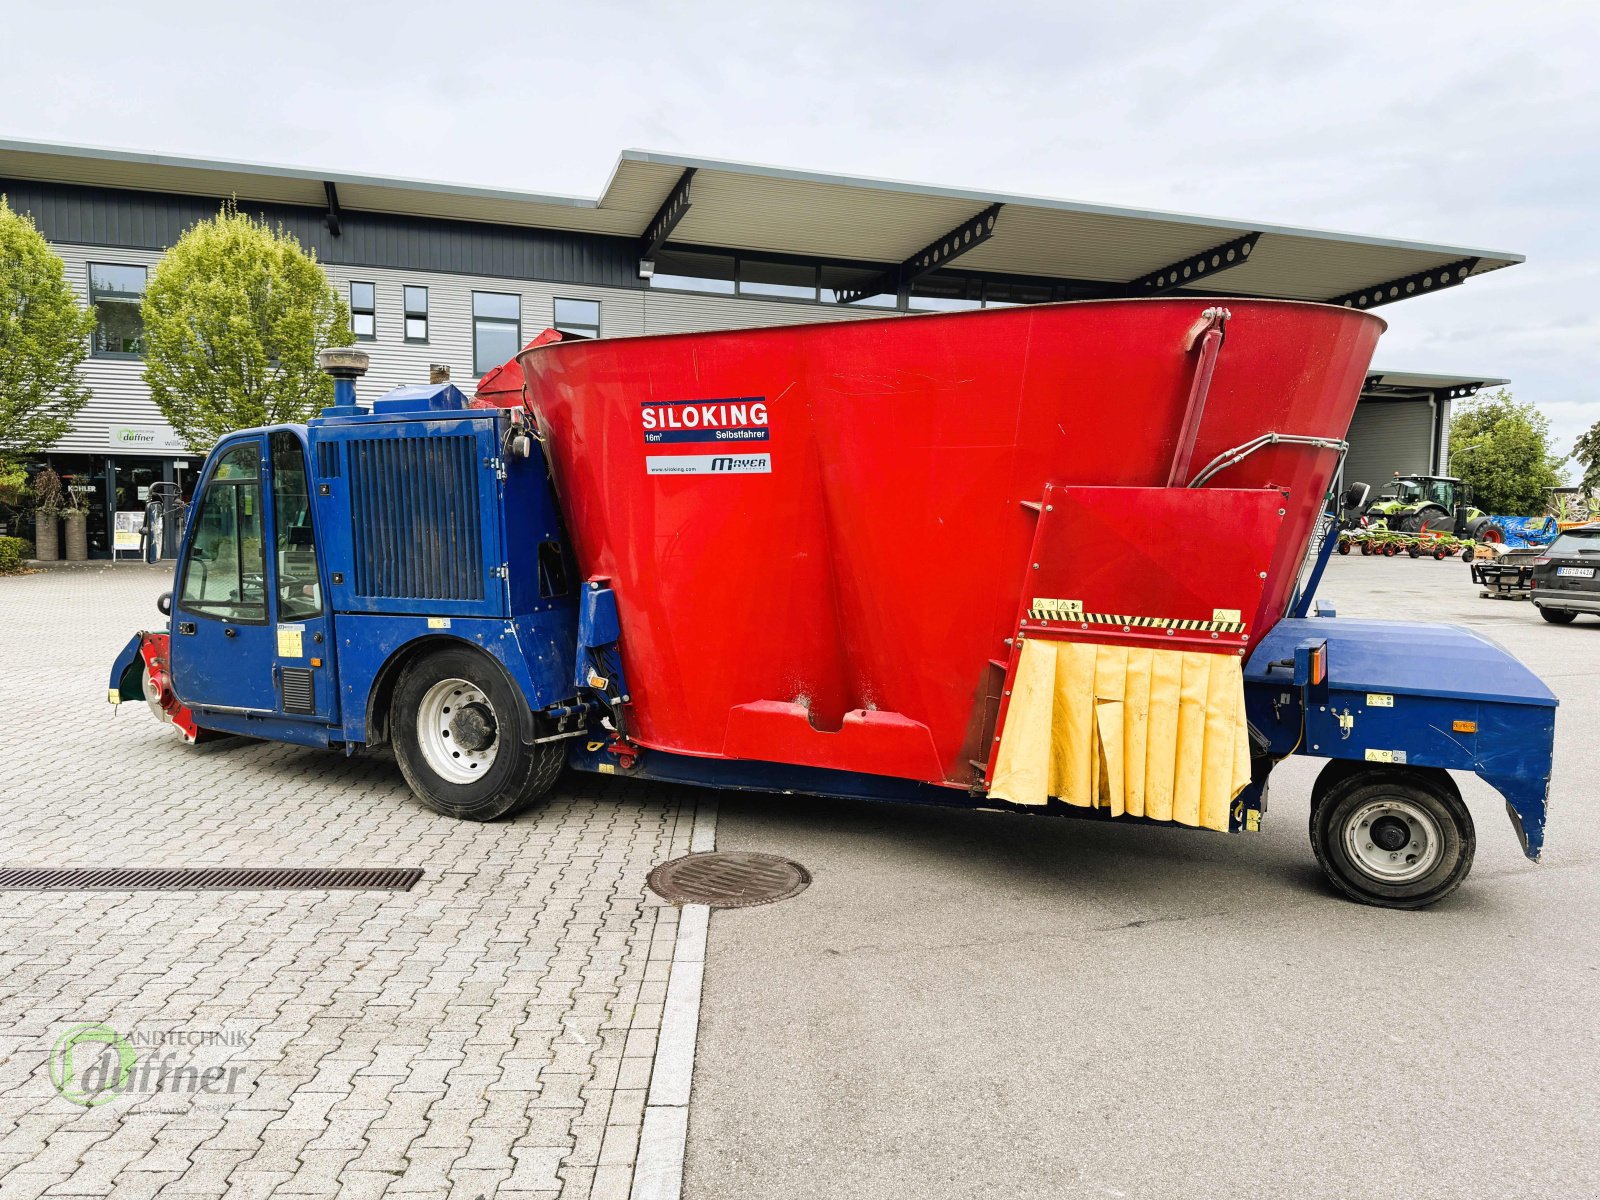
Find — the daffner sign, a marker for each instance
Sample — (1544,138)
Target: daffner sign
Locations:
(147,438)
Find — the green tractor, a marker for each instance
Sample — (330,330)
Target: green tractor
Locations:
(1428,503)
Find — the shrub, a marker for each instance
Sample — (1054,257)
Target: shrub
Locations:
(11,555)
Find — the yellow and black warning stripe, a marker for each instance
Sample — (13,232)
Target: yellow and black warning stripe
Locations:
(1223,620)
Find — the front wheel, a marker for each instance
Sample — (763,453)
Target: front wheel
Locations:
(455,730)
(1557,616)
(1391,837)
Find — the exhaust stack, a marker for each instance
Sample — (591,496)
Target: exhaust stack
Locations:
(346,365)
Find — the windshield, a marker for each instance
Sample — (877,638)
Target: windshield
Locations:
(1407,489)
(1576,541)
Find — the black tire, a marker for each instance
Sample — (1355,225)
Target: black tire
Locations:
(1366,550)
(515,777)
(1557,616)
(1408,805)
(1344,546)
(1468,554)
(1414,551)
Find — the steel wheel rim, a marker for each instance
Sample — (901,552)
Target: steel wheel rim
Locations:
(438,719)
(1369,833)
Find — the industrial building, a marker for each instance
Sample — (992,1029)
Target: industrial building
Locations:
(463,276)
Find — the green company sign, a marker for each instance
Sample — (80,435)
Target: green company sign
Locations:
(145,437)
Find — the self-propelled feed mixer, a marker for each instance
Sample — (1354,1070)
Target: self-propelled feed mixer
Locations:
(952,559)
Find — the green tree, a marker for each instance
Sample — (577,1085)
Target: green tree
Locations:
(43,339)
(1501,448)
(1587,452)
(234,315)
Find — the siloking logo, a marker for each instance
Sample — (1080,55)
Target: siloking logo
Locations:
(683,428)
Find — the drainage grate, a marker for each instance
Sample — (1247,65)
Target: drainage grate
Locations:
(734,879)
(207,879)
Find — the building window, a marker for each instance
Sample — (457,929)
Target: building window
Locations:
(496,329)
(416,305)
(364,311)
(788,280)
(115,294)
(690,272)
(946,293)
(581,317)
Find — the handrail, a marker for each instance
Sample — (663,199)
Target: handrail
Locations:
(1244,450)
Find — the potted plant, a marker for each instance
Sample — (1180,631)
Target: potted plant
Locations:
(48,501)
(75,520)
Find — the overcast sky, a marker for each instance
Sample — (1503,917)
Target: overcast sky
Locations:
(1473,124)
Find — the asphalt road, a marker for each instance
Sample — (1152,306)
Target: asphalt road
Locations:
(971,1004)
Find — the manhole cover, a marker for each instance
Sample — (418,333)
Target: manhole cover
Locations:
(734,879)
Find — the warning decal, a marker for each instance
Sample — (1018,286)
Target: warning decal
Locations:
(683,430)
(1043,609)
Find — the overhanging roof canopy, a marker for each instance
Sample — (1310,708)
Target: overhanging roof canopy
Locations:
(1415,385)
(745,207)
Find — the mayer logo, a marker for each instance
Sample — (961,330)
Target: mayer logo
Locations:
(683,429)
(708,464)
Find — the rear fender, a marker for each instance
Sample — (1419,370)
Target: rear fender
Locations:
(127,674)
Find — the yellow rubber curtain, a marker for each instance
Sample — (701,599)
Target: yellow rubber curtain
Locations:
(1151,733)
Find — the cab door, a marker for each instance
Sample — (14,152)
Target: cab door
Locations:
(303,658)
(222,637)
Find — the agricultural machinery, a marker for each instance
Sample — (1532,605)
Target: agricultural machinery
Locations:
(860,559)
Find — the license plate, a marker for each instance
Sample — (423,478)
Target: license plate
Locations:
(1576,572)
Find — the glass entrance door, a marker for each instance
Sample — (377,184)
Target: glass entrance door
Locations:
(131,480)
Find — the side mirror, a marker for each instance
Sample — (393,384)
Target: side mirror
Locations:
(1355,497)
(164,604)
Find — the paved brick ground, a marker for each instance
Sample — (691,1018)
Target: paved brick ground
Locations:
(489,1033)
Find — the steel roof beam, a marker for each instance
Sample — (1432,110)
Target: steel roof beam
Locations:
(334,216)
(673,209)
(1431,280)
(974,231)
(1195,268)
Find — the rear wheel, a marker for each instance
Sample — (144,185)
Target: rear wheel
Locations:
(1391,837)
(1558,616)
(455,728)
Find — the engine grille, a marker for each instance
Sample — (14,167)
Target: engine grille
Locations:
(414,518)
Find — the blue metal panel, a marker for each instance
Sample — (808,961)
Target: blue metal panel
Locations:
(535,650)
(1403,695)
(1403,657)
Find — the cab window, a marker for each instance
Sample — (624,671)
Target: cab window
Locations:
(299,591)
(225,573)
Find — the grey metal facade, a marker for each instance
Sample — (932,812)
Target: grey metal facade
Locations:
(153,221)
